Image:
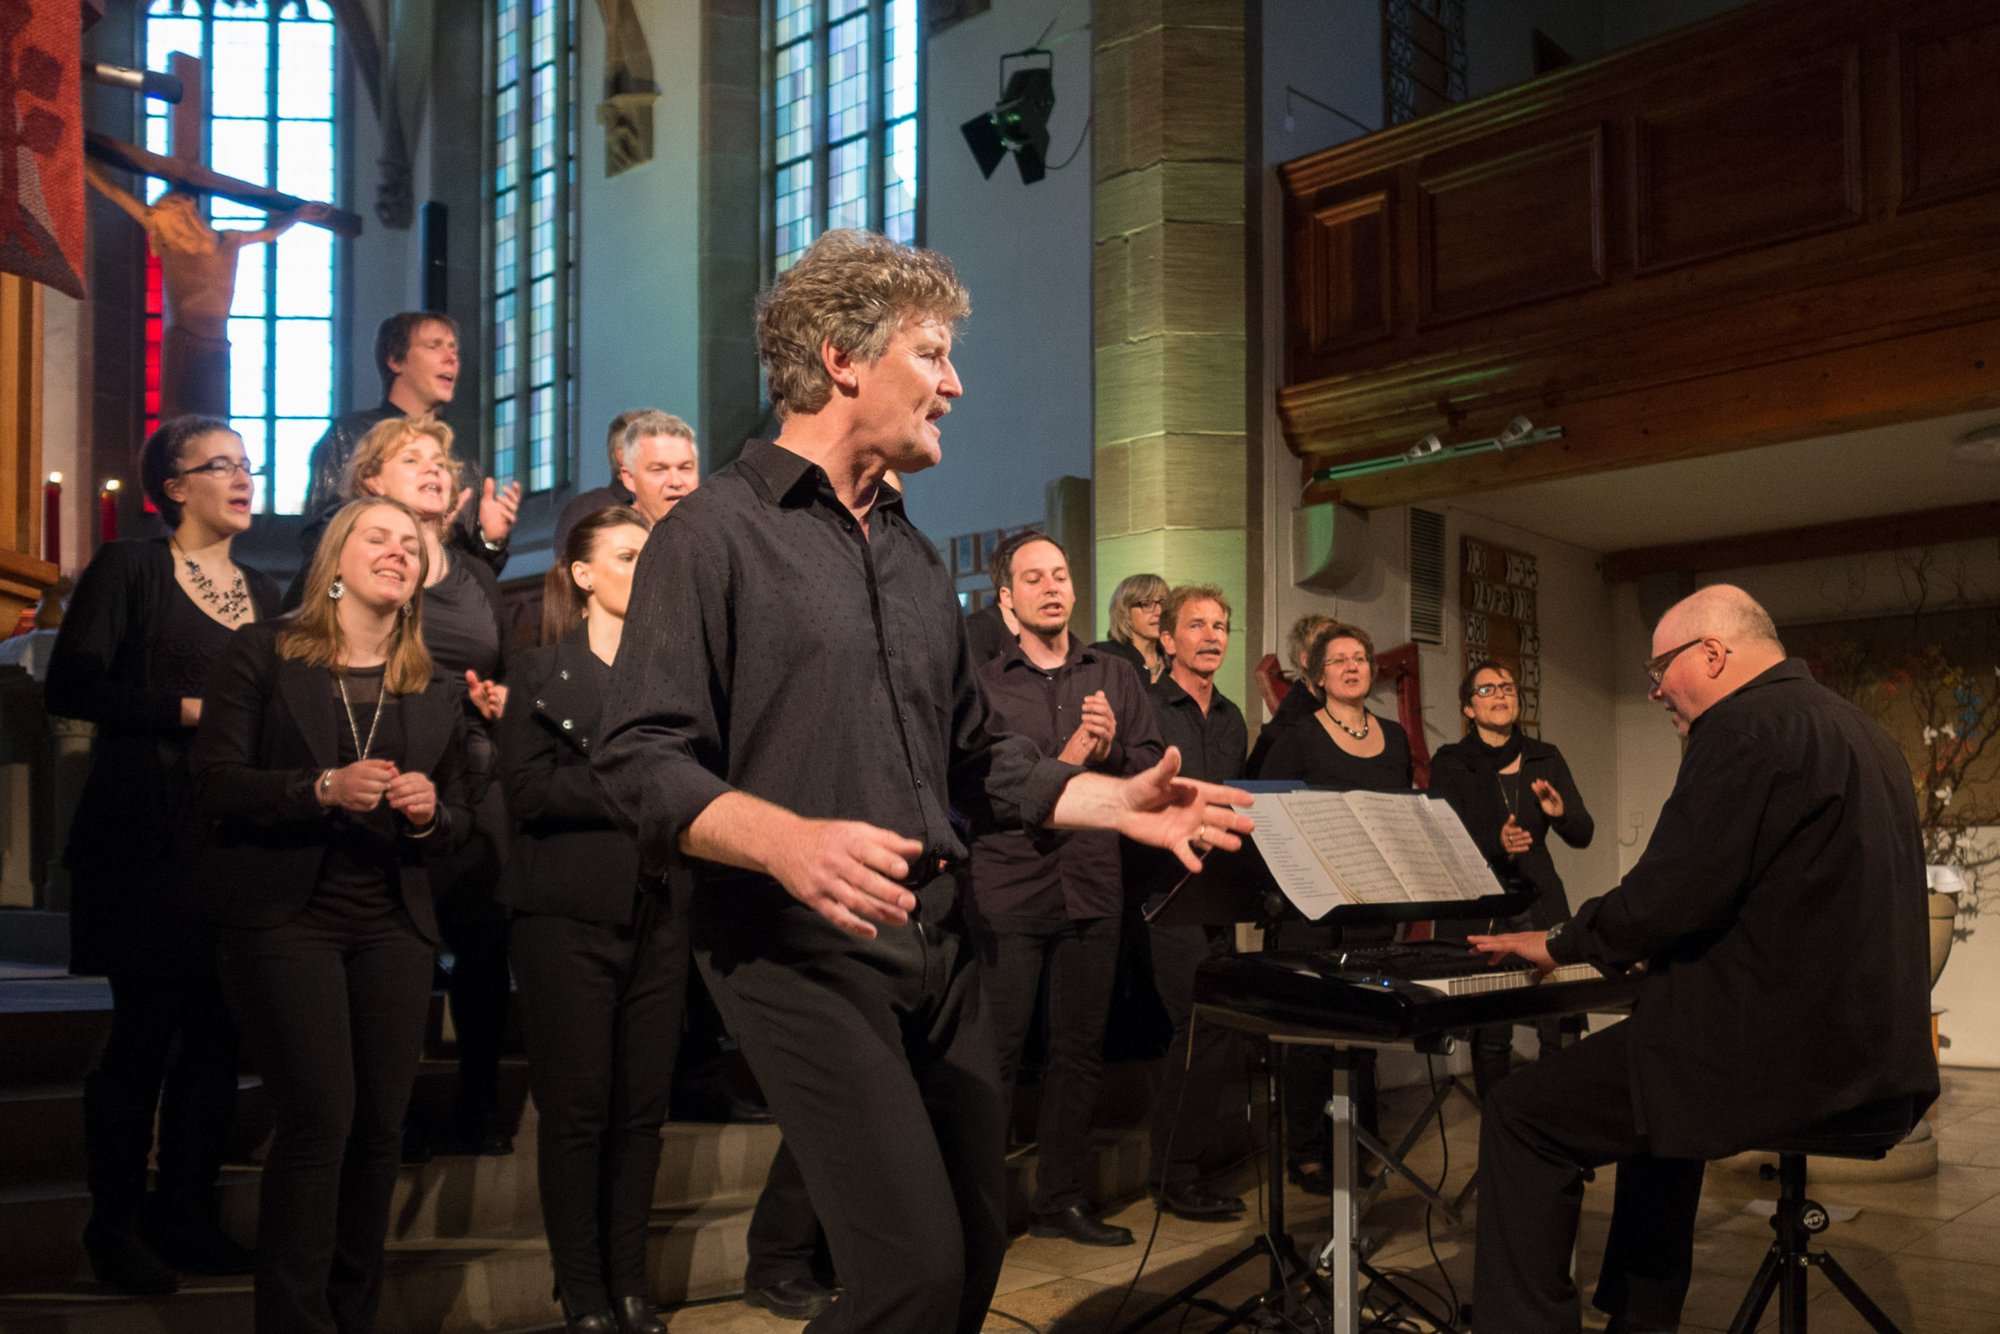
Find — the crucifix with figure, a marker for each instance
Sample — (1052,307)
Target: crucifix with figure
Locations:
(197,260)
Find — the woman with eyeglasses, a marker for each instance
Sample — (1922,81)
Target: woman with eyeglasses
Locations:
(148,619)
(330,767)
(1341,747)
(1135,624)
(1511,791)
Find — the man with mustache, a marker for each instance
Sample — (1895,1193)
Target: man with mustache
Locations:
(793,709)
(1212,737)
(1049,905)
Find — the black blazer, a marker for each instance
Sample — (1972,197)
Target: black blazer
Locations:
(267,733)
(569,858)
(131,840)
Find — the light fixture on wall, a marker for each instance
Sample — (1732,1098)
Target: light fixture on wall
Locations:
(1517,434)
(1019,121)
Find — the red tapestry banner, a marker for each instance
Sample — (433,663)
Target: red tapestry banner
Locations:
(41,142)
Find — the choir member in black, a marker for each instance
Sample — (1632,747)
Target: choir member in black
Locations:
(1301,701)
(992,629)
(1046,911)
(147,622)
(1211,735)
(330,767)
(794,707)
(601,953)
(1511,791)
(411,460)
(416,354)
(1342,747)
(1780,907)
(1135,624)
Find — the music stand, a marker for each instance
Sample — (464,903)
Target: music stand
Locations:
(1233,888)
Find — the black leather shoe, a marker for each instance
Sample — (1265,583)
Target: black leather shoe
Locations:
(1077,1225)
(591,1322)
(1194,1200)
(1313,1179)
(635,1316)
(791,1298)
(122,1261)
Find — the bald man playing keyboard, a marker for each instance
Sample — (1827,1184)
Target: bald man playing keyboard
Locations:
(1779,910)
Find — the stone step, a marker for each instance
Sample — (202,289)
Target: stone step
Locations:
(455,1287)
(41,1131)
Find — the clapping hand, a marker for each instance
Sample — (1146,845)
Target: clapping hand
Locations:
(498,508)
(1091,742)
(1551,800)
(489,697)
(1515,839)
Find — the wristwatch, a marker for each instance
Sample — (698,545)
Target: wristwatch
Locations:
(326,784)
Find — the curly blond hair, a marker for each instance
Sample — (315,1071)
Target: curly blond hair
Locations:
(852,289)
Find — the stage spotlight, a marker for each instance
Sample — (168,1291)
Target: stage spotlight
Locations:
(1517,430)
(1018,123)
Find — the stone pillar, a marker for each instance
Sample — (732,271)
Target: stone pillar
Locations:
(1173,469)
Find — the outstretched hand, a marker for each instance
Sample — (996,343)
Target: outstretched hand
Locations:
(498,508)
(1550,799)
(1182,815)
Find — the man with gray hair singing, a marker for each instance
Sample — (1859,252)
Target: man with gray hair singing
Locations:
(794,708)
(1779,909)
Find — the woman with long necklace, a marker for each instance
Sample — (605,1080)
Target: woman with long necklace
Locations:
(330,764)
(148,620)
(410,459)
(601,952)
(1342,748)
(1511,791)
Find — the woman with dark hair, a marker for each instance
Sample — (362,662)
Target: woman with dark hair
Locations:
(1511,791)
(601,952)
(1340,747)
(410,459)
(148,620)
(1135,624)
(330,766)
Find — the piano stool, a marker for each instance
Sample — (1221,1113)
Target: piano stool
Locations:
(1868,1133)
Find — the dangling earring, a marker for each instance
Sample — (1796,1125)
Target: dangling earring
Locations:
(336,590)
(406,610)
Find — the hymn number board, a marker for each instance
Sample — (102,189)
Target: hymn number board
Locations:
(1497,592)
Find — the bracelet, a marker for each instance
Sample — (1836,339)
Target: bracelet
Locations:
(425,832)
(326,783)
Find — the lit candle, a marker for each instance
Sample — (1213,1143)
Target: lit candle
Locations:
(52,520)
(107,512)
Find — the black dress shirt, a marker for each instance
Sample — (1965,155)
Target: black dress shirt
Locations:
(986,631)
(1780,908)
(774,648)
(1212,744)
(1044,873)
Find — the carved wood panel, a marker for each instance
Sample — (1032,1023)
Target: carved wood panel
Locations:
(1750,165)
(1801,192)
(1524,227)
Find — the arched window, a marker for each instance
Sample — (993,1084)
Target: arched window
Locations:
(533,273)
(271,101)
(844,95)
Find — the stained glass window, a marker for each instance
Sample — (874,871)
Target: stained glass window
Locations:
(270,90)
(534,241)
(844,92)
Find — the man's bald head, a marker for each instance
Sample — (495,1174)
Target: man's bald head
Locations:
(1713,642)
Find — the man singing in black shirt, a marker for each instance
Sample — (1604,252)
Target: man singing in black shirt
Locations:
(794,707)
(1779,908)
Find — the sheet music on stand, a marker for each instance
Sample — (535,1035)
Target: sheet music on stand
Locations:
(1328,850)
(1364,857)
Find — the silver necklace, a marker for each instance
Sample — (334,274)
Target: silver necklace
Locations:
(231,606)
(1367,722)
(361,747)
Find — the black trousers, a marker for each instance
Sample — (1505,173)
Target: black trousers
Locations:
(785,1240)
(480,985)
(171,1052)
(601,1016)
(1541,1127)
(1077,961)
(876,1058)
(1493,1047)
(333,1013)
(1200,1060)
